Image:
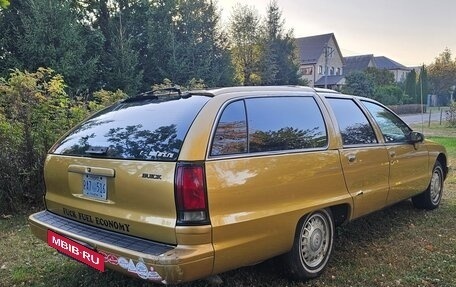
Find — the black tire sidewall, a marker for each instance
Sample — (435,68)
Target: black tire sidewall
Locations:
(430,204)
(298,268)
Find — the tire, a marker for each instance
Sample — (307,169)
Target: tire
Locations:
(313,245)
(431,197)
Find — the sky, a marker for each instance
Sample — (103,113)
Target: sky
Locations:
(411,32)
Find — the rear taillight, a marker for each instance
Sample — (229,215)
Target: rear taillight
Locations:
(191,197)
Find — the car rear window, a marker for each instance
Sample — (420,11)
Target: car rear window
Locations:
(152,128)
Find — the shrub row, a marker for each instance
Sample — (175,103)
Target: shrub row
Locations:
(35,111)
(408,109)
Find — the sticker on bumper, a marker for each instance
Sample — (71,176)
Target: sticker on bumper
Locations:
(139,268)
(76,250)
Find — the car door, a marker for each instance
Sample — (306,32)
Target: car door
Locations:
(409,162)
(269,164)
(364,160)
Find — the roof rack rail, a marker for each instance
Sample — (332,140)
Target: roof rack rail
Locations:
(154,94)
(169,90)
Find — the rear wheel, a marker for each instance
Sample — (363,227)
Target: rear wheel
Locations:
(431,197)
(313,245)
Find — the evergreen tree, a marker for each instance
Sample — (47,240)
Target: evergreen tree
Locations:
(161,40)
(410,85)
(278,60)
(359,84)
(11,28)
(380,77)
(422,86)
(186,42)
(245,40)
(52,37)
(122,64)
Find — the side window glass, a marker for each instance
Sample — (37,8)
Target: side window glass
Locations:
(231,132)
(353,124)
(393,129)
(285,123)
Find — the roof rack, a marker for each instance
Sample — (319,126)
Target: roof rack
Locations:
(154,94)
(169,90)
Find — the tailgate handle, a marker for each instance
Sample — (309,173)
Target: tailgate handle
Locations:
(108,172)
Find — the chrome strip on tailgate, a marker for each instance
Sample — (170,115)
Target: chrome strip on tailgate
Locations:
(101,235)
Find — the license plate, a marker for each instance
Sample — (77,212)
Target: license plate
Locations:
(94,186)
(76,251)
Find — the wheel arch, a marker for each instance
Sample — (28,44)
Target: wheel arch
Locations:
(443,161)
(341,213)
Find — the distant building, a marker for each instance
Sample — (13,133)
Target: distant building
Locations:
(321,53)
(317,54)
(399,71)
(358,63)
(362,62)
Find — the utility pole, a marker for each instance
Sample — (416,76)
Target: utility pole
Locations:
(328,52)
(452,88)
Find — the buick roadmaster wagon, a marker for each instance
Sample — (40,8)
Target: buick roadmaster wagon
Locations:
(173,188)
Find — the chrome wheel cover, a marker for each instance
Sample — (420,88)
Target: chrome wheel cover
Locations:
(315,240)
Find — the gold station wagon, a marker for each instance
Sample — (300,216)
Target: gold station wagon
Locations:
(177,187)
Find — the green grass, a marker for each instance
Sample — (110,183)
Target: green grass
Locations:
(397,246)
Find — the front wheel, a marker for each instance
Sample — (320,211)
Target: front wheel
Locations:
(431,197)
(313,245)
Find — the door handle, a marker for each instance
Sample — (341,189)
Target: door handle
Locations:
(351,158)
(392,153)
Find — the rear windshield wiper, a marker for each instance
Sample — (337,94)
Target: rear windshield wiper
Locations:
(97,150)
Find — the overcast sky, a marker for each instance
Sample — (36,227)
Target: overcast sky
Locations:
(411,32)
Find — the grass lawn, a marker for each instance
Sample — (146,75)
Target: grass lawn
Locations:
(398,246)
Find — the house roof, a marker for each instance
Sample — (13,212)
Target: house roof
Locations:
(311,48)
(330,80)
(357,63)
(382,62)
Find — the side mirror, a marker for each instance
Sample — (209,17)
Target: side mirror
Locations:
(415,137)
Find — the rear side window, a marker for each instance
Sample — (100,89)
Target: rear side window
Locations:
(270,124)
(231,133)
(149,129)
(353,124)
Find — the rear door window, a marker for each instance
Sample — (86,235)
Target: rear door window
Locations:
(152,128)
(354,127)
(284,123)
(269,124)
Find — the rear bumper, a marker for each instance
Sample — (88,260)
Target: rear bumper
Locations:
(134,256)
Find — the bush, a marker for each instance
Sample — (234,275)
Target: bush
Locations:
(35,111)
(408,109)
(389,95)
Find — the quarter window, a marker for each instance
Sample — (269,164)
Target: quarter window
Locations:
(353,124)
(231,133)
(393,129)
